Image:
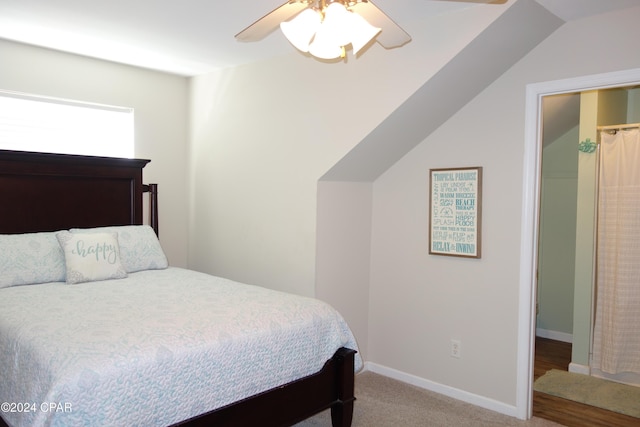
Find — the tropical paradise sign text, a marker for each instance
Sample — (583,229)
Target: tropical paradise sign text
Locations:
(455,212)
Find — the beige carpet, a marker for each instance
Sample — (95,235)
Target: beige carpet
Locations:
(621,398)
(384,402)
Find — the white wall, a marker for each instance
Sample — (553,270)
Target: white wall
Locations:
(263,134)
(160,104)
(420,302)
(343,252)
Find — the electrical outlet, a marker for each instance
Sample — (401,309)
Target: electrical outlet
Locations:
(456,348)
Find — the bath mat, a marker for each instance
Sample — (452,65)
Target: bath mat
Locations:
(616,397)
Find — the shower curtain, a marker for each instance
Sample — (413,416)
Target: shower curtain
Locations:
(616,339)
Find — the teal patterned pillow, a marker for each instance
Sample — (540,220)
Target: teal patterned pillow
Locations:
(30,258)
(139,246)
(91,256)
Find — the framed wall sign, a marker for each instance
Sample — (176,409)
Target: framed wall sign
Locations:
(455,212)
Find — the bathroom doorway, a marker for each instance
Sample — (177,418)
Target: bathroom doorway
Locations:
(532,174)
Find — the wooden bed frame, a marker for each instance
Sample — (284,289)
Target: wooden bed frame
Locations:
(49,192)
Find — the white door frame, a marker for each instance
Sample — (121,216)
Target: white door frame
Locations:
(530,214)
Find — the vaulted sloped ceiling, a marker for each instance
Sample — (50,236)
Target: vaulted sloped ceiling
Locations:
(510,37)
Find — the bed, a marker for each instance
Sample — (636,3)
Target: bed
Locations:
(96,328)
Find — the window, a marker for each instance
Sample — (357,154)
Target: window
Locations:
(49,125)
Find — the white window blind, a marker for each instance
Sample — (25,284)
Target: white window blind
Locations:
(49,125)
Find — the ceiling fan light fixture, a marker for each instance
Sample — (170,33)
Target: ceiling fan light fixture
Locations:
(337,23)
(324,45)
(325,33)
(301,29)
(300,20)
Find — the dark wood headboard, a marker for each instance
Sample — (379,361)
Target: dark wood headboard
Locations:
(49,192)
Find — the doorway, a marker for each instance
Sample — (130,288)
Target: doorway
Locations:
(530,213)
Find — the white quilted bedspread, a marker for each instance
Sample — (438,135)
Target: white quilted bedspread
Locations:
(153,349)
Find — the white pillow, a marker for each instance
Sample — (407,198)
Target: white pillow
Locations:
(139,246)
(30,258)
(91,256)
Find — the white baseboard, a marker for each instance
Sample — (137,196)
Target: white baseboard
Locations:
(579,369)
(452,392)
(629,378)
(554,335)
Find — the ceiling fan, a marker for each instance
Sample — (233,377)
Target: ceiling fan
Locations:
(307,15)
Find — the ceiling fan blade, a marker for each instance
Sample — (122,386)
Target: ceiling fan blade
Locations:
(263,26)
(391,35)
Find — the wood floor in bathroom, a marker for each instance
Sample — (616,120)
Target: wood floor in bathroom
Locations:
(552,354)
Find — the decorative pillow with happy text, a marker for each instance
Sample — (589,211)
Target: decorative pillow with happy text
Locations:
(91,256)
(139,246)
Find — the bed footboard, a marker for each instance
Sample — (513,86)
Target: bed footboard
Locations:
(342,409)
(332,387)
